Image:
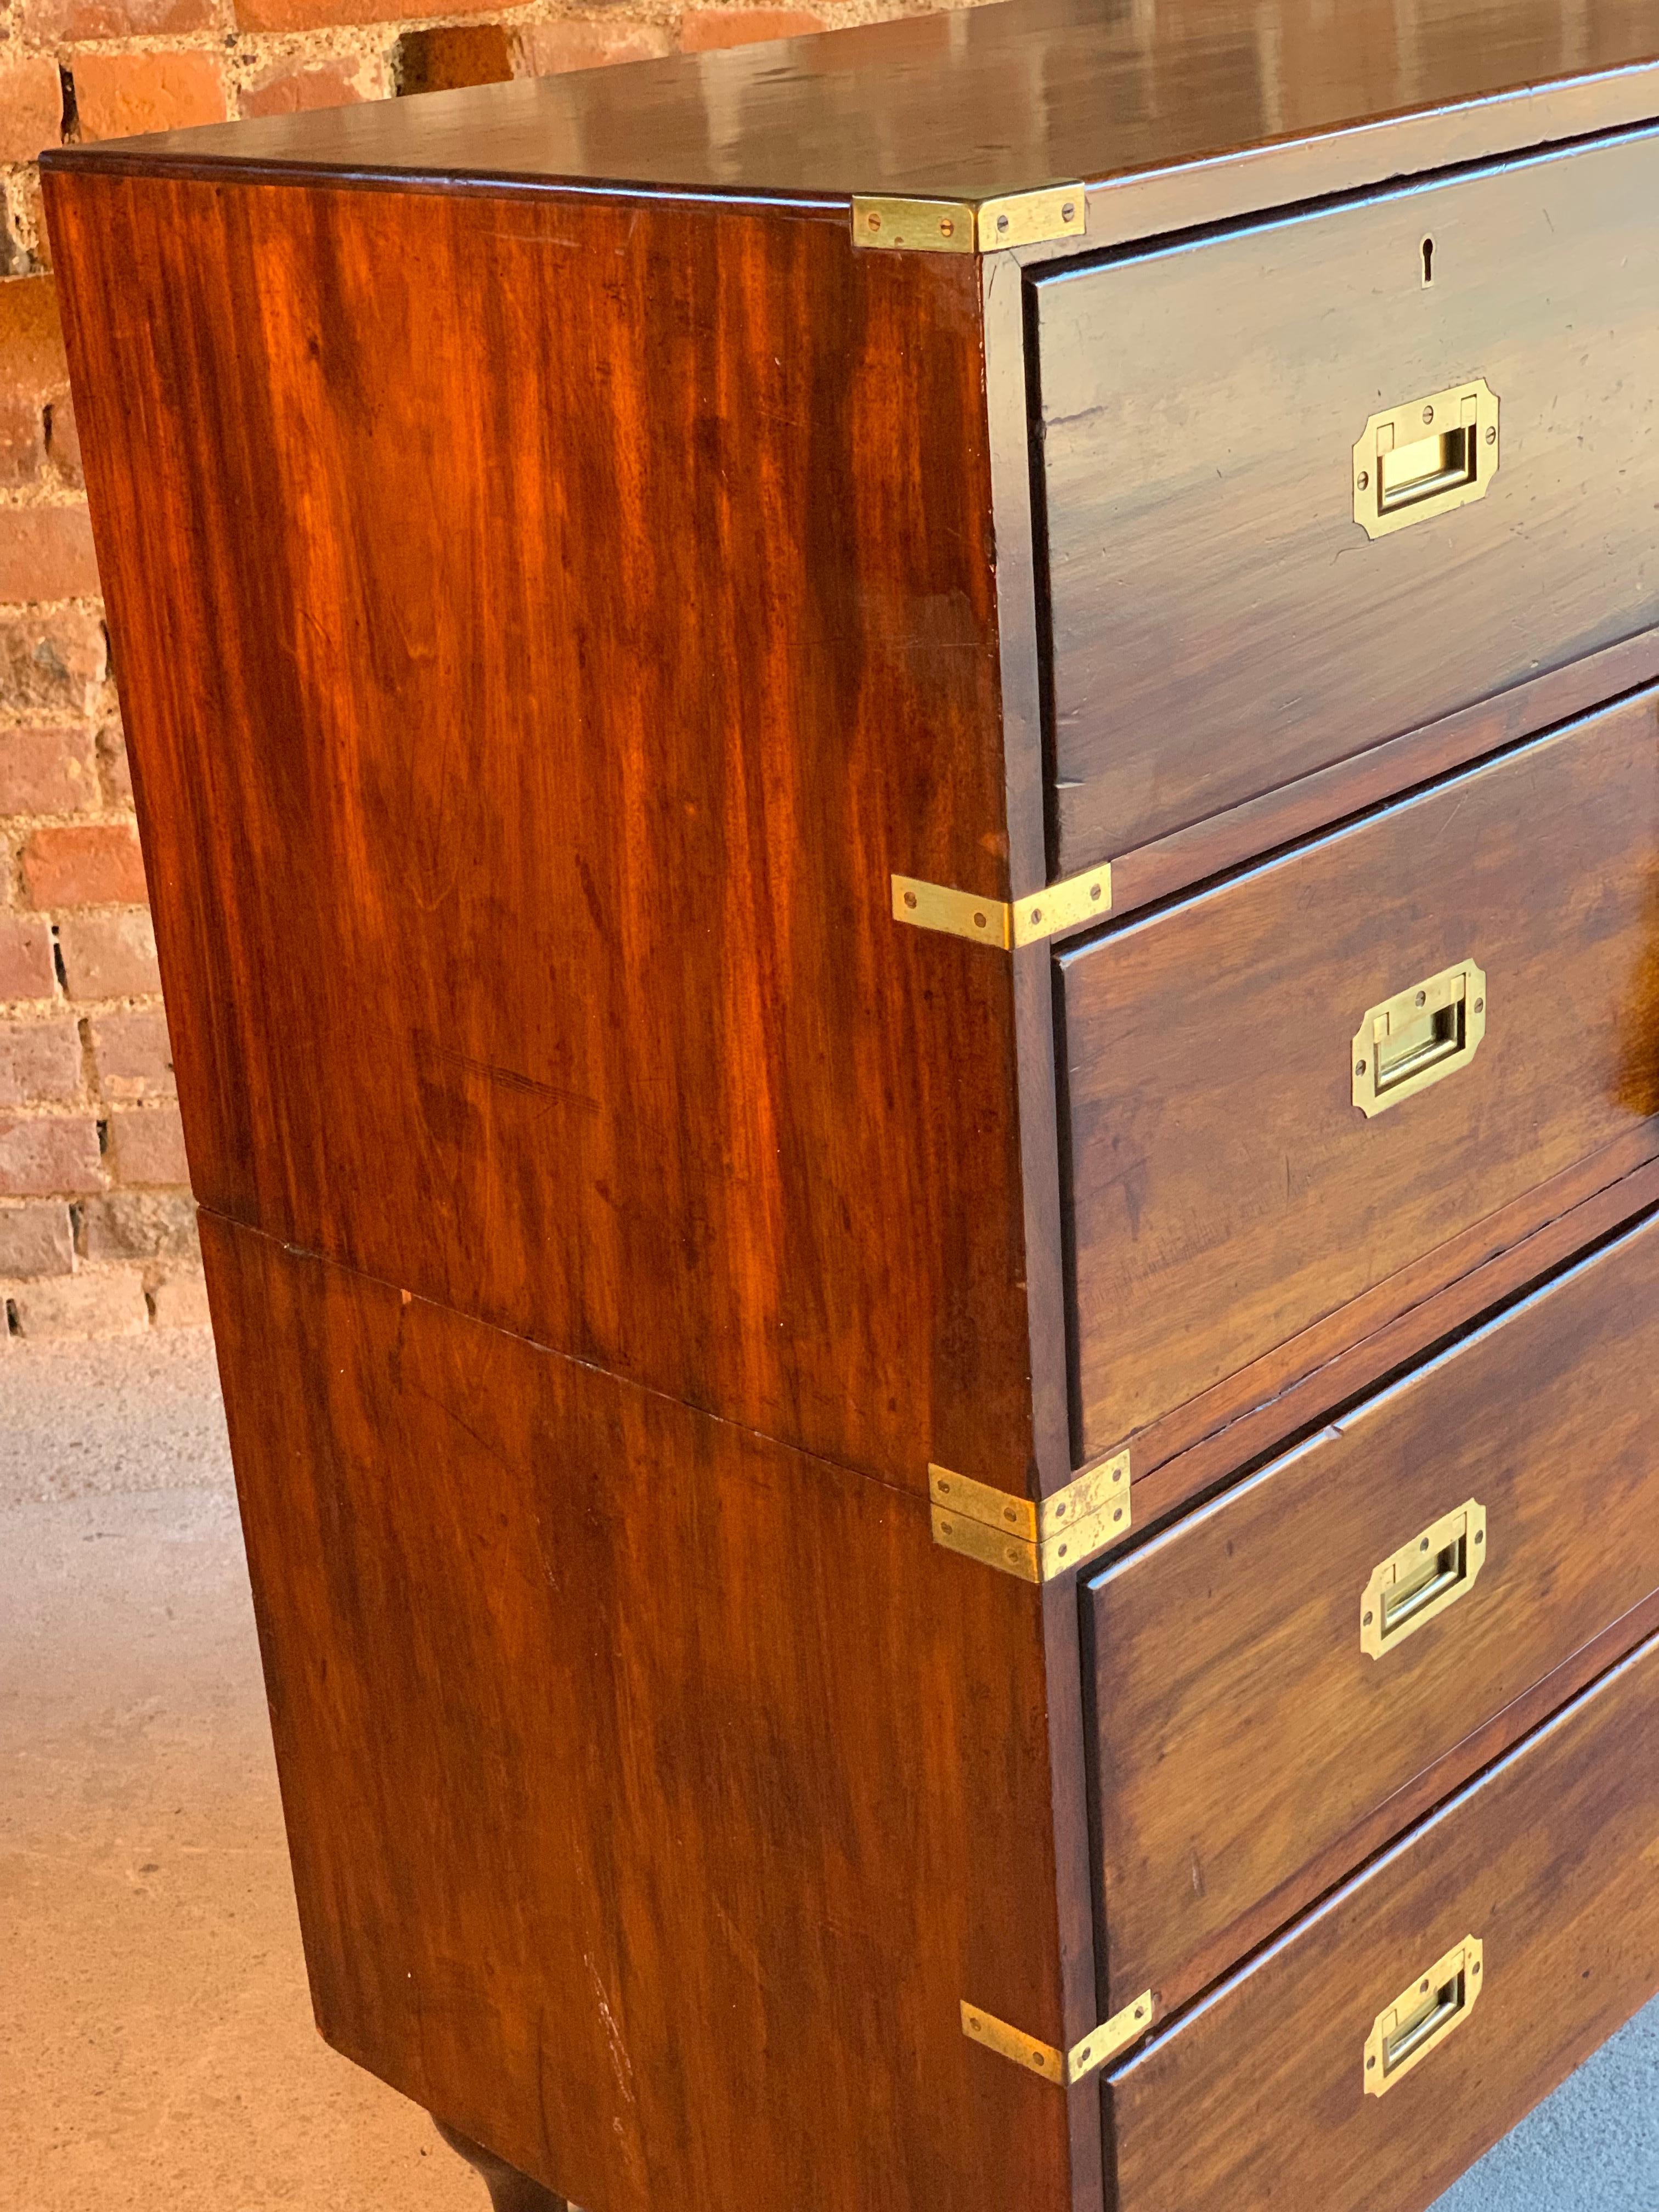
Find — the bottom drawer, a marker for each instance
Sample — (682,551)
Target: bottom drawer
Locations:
(1374,2052)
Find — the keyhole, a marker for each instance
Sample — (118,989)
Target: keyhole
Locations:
(1428,261)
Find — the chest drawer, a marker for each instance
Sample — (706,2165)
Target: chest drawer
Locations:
(1358,1610)
(1262,2097)
(1226,1189)
(1221,623)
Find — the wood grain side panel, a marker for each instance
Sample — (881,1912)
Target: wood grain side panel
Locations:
(1244,1751)
(655,1793)
(1221,625)
(1255,2099)
(543,627)
(1226,1193)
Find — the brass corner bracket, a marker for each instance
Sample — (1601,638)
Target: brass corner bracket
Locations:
(1071,904)
(1037,1543)
(1062,2068)
(970,226)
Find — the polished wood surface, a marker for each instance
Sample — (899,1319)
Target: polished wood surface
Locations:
(1226,1194)
(557,579)
(1219,100)
(1288,1401)
(509,2190)
(1234,1758)
(1222,625)
(656,1795)
(1186,857)
(585,777)
(1404,1313)
(1256,2100)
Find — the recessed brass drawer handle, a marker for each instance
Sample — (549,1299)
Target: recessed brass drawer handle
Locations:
(1423,2015)
(1419,1037)
(1423,1579)
(1426,457)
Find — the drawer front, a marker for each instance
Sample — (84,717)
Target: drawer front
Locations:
(1258,2099)
(1225,1191)
(1221,623)
(1277,1667)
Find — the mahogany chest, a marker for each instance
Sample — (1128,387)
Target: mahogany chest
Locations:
(903,797)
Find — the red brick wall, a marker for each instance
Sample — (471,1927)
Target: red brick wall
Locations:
(95,1229)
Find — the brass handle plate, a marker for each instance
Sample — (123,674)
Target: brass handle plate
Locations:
(1426,457)
(1423,1579)
(1418,1037)
(1427,2011)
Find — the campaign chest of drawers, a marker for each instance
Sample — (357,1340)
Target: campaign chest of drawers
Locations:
(902,797)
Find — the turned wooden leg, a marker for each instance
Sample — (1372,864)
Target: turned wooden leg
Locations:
(509,2190)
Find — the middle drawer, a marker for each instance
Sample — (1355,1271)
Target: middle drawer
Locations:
(1305,1092)
(1275,1668)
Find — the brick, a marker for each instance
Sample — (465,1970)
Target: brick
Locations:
(455,55)
(336,14)
(146,1148)
(45,553)
(139,1225)
(36,1239)
(704,30)
(29,217)
(39,1063)
(14,245)
(34,373)
(580,42)
(49,1157)
(109,956)
(105,1302)
(58,662)
(63,441)
(26,964)
(114,763)
(83,864)
(181,1302)
(49,771)
(120,95)
(132,1055)
(31,108)
(298,86)
(59,21)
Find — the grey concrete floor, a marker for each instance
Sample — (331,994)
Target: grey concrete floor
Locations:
(156,2048)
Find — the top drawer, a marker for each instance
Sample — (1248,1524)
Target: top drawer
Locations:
(1221,623)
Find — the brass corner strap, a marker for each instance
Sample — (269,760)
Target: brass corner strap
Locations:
(1060,2066)
(1071,904)
(1036,1542)
(970,226)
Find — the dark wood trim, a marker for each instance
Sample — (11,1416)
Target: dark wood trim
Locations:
(1124,211)
(1617,1187)
(1333,795)
(1019,650)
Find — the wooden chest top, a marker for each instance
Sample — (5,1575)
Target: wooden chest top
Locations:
(1268,103)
